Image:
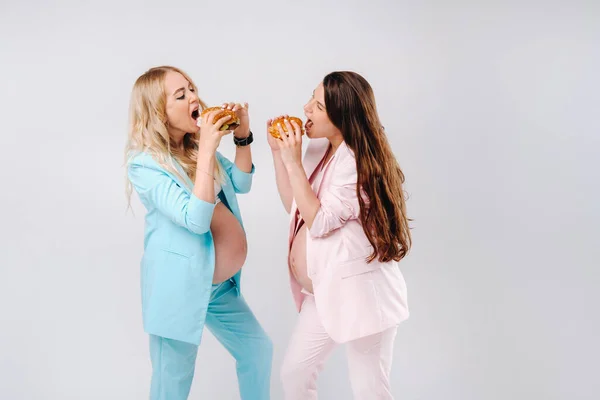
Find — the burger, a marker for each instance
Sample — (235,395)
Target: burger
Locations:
(230,124)
(274,131)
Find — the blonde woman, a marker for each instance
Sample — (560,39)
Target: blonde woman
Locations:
(194,243)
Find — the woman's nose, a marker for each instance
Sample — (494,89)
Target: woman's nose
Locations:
(307,107)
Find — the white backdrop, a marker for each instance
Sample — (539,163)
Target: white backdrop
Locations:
(492,111)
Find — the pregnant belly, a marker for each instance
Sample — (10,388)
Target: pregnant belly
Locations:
(230,244)
(298,260)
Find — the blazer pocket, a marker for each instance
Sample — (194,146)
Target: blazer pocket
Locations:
(175,254)
(357,267)
(165,275)
(165,266)
(170,282)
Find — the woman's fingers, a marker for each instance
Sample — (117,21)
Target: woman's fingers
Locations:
(221,122)
(291,136)
(282,135)
(297,131)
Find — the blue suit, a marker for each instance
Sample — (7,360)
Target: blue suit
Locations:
(178,297)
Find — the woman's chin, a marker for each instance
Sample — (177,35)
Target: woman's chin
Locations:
(193,128)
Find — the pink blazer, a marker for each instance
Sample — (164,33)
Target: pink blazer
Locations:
(354,299)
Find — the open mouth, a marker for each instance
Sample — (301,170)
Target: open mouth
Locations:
(195,114)
(308,124)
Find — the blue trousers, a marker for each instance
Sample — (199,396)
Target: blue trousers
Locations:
(231,321)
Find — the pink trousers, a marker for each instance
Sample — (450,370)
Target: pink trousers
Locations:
(369,359)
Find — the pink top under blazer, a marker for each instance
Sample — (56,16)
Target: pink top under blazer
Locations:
(354,299)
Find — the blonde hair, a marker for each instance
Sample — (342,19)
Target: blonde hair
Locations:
(148,127)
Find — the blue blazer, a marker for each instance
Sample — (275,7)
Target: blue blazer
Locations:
(179,259)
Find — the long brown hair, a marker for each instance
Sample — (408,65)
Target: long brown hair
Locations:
(351,107)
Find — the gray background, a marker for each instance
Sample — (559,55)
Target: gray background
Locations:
(491,108)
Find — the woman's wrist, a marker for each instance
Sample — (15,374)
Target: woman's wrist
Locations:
(205,152)
(240,135)
(202,171)
(205,160)
(293,166)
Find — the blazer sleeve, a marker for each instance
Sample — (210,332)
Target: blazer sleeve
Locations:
(339,202)
(242,181)
(159,190)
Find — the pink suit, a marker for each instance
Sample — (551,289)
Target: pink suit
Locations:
(354,302)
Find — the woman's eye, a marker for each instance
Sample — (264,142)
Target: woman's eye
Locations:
(181,97)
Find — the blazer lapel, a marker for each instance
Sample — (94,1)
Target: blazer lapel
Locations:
(188,184)
(341,152)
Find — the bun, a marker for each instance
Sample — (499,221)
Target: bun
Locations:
(279,122)
(231,124)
